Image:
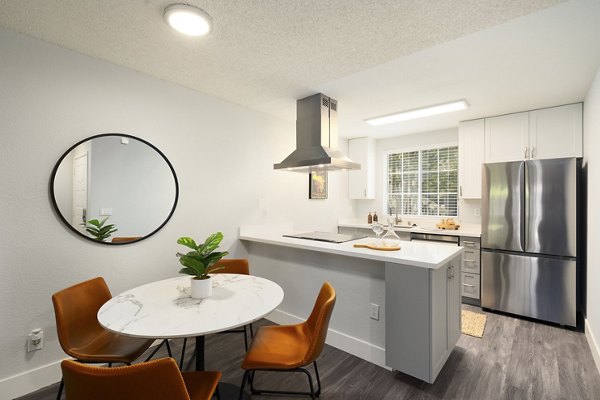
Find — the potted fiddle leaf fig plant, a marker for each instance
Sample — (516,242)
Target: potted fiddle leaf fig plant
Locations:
(200,262)
(98,230)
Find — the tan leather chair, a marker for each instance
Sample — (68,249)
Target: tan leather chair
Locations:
(289,348)
(80,334)
(230,266)
(157,379)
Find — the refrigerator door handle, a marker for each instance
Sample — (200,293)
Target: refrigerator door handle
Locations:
(525,207)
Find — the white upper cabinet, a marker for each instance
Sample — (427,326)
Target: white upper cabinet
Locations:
(470,158)
(506,137)
(361,183)
(556,132)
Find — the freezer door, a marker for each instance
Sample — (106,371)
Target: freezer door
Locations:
(536,287)
(551,206)
(503,216)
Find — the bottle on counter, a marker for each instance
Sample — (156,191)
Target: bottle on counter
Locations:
(369,218)
(375,218)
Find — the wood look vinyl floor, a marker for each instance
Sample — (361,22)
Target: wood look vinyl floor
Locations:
(516,359)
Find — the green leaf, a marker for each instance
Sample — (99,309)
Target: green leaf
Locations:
(196,265)
(213,269)
(94,222)
(187,271)
(214,257)
(211,243)
(188,242)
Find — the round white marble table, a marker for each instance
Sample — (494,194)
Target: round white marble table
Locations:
(164,309)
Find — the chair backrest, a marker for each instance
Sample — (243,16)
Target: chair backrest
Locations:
(157,379)
(76,309)
(233,266)
(318,321)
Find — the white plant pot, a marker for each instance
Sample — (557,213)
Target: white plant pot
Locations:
(201,288)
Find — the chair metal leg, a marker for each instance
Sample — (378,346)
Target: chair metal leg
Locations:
(310,383)
(168,348)
(217,393)
(318,393)
(60,388)
(154,351)
(243,385)
(182,353)
(312,392)
(245,339)
(252,381)
(109,365)
(251,331)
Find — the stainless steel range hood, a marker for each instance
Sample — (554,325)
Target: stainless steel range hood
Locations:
(316,138)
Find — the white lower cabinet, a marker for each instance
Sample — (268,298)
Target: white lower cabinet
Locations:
(422,318)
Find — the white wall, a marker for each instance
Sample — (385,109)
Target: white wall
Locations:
(591,161)
(443,137)
(223,154)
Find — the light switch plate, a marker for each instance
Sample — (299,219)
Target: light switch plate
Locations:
(374,311)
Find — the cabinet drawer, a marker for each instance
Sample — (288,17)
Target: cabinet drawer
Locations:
(469,243)
(470,285)
(471,262)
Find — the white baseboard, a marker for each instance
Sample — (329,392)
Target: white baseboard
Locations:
(358,347)
(30,381)
(35,379)
(591,338)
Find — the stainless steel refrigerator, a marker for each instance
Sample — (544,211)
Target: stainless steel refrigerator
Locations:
(529,238)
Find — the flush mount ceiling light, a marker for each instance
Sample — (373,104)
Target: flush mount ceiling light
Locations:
(188,20)
(419,113)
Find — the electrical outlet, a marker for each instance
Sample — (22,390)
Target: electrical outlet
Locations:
(477,212)
(374,311)
(35,340)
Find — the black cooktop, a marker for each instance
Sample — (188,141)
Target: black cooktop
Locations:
(326,237)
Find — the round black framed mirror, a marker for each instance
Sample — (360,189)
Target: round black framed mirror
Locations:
(114,188)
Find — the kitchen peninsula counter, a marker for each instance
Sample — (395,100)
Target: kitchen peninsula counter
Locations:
(397,309)
(418,254)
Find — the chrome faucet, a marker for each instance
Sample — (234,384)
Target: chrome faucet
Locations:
(397,221)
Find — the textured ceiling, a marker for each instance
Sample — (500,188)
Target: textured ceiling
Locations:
(374,56)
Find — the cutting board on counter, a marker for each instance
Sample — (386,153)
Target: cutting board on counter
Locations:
(373,247)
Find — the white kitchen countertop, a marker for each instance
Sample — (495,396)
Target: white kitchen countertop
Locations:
(419,254)
(473,230)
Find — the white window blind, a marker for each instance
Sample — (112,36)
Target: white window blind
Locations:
(423,182)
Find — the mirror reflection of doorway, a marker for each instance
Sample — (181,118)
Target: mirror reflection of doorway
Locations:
(80,191)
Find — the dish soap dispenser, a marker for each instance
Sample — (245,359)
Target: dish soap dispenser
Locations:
(370,218)
(375,217)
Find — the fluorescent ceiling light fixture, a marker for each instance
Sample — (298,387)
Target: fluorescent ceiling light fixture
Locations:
(419,113)
(188,20)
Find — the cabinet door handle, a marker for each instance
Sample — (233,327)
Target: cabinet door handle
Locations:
(469,243)
(532,152)
(467,285)
(460,190)
(526,152)
(365,192)
(470,261)
(450,272)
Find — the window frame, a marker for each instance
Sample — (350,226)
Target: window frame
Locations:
(385,190)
